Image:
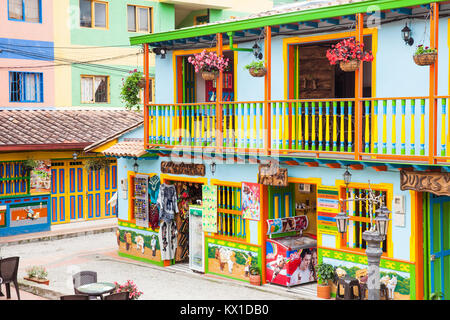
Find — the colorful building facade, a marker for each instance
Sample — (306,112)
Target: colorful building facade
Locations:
(288,137)
(72,53)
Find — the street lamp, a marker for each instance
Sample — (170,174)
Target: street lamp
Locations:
(406,35)
(347,177)
(374,237)
(136,165)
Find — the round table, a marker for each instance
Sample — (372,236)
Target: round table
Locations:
(97,288)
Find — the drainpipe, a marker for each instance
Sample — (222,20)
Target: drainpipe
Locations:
(230,35)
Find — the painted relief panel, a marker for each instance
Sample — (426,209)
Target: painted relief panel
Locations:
(398,277)
(138,243)
(27,214)
(230,259)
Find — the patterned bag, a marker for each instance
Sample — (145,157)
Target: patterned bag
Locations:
(153,216)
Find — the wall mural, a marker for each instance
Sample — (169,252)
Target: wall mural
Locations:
(231,259)
(398,277)
(141,244)
(40,177)
(27,214)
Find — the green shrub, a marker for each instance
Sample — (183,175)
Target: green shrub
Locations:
(325,272)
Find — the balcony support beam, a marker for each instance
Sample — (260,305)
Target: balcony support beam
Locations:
(268,90)
(146,94)
(219,95)
(434,43)
(359,89)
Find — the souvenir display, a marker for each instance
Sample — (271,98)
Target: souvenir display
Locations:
(141,204)
(209,203)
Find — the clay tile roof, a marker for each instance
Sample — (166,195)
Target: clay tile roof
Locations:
(126,148)
(61,129)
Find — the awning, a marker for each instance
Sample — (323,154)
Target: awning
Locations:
(126,148)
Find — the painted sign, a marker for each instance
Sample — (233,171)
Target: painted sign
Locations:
(40,178)
(282,225)
(251,197)
(435,182)
(190,169)
(26,214)
(209,204)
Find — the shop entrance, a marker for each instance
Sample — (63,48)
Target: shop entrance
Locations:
(189,191)
(437,249)
(291,249)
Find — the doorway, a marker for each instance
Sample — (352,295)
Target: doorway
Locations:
(188,192)
(437,247)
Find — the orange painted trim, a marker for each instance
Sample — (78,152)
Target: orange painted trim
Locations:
(263,230)
(356,166)
(433,87)
(380,168)
(333,165)
(146,93)
(359,89)
(419,245)
(292,163)
(268,90)
(312,164)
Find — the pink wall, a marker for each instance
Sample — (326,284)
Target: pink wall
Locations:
(48,80)
(28,30)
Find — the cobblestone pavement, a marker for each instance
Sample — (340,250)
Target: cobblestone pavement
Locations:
(98,252)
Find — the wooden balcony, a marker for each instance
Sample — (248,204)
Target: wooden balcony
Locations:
(407,129)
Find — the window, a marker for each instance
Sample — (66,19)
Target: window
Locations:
(358,212)
(139,19)
(94,89)
(151,91)
(25,87)
(93,14)
(25,10)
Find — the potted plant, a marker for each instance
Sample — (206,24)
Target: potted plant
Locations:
(348,53)
(325,272)
(131,87)
(93,164)
(424,56)
(29,165)
(256,69)
(209,64)
(130,287)
(37,274)
(255,276)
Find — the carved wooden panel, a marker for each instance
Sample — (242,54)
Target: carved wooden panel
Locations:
(434,182)
(190,169)
(271,175)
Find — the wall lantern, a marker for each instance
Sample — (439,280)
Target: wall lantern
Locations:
(341,222)
(213,167)
(382,220)
(257,51)
(406,35)
(135,166)
(347,177)
(160,52)
(75,156)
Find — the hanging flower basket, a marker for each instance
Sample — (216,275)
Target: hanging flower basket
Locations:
(141,83)
(348,53)
(208,76)
(209,64)
(258,72)
(349,66)
(425,56)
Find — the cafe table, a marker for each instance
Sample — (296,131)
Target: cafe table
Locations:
(97,289)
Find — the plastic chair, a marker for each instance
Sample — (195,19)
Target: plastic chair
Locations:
(8,274)
(75,297)
(83,277)
(118,296)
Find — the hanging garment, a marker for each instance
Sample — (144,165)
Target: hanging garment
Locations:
(153,188)
(167,202)
(168,239)
(153,216)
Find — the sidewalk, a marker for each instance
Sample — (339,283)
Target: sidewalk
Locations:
(74,229)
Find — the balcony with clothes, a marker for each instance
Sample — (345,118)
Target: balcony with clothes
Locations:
(388,109)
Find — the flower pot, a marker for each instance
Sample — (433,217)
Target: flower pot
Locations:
(323,291)
(258,72)
(141,83)
(255,279)
(425,59)
(208,75)
(350,65)
(41,281)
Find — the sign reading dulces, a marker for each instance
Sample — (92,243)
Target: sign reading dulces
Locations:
(434,182)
